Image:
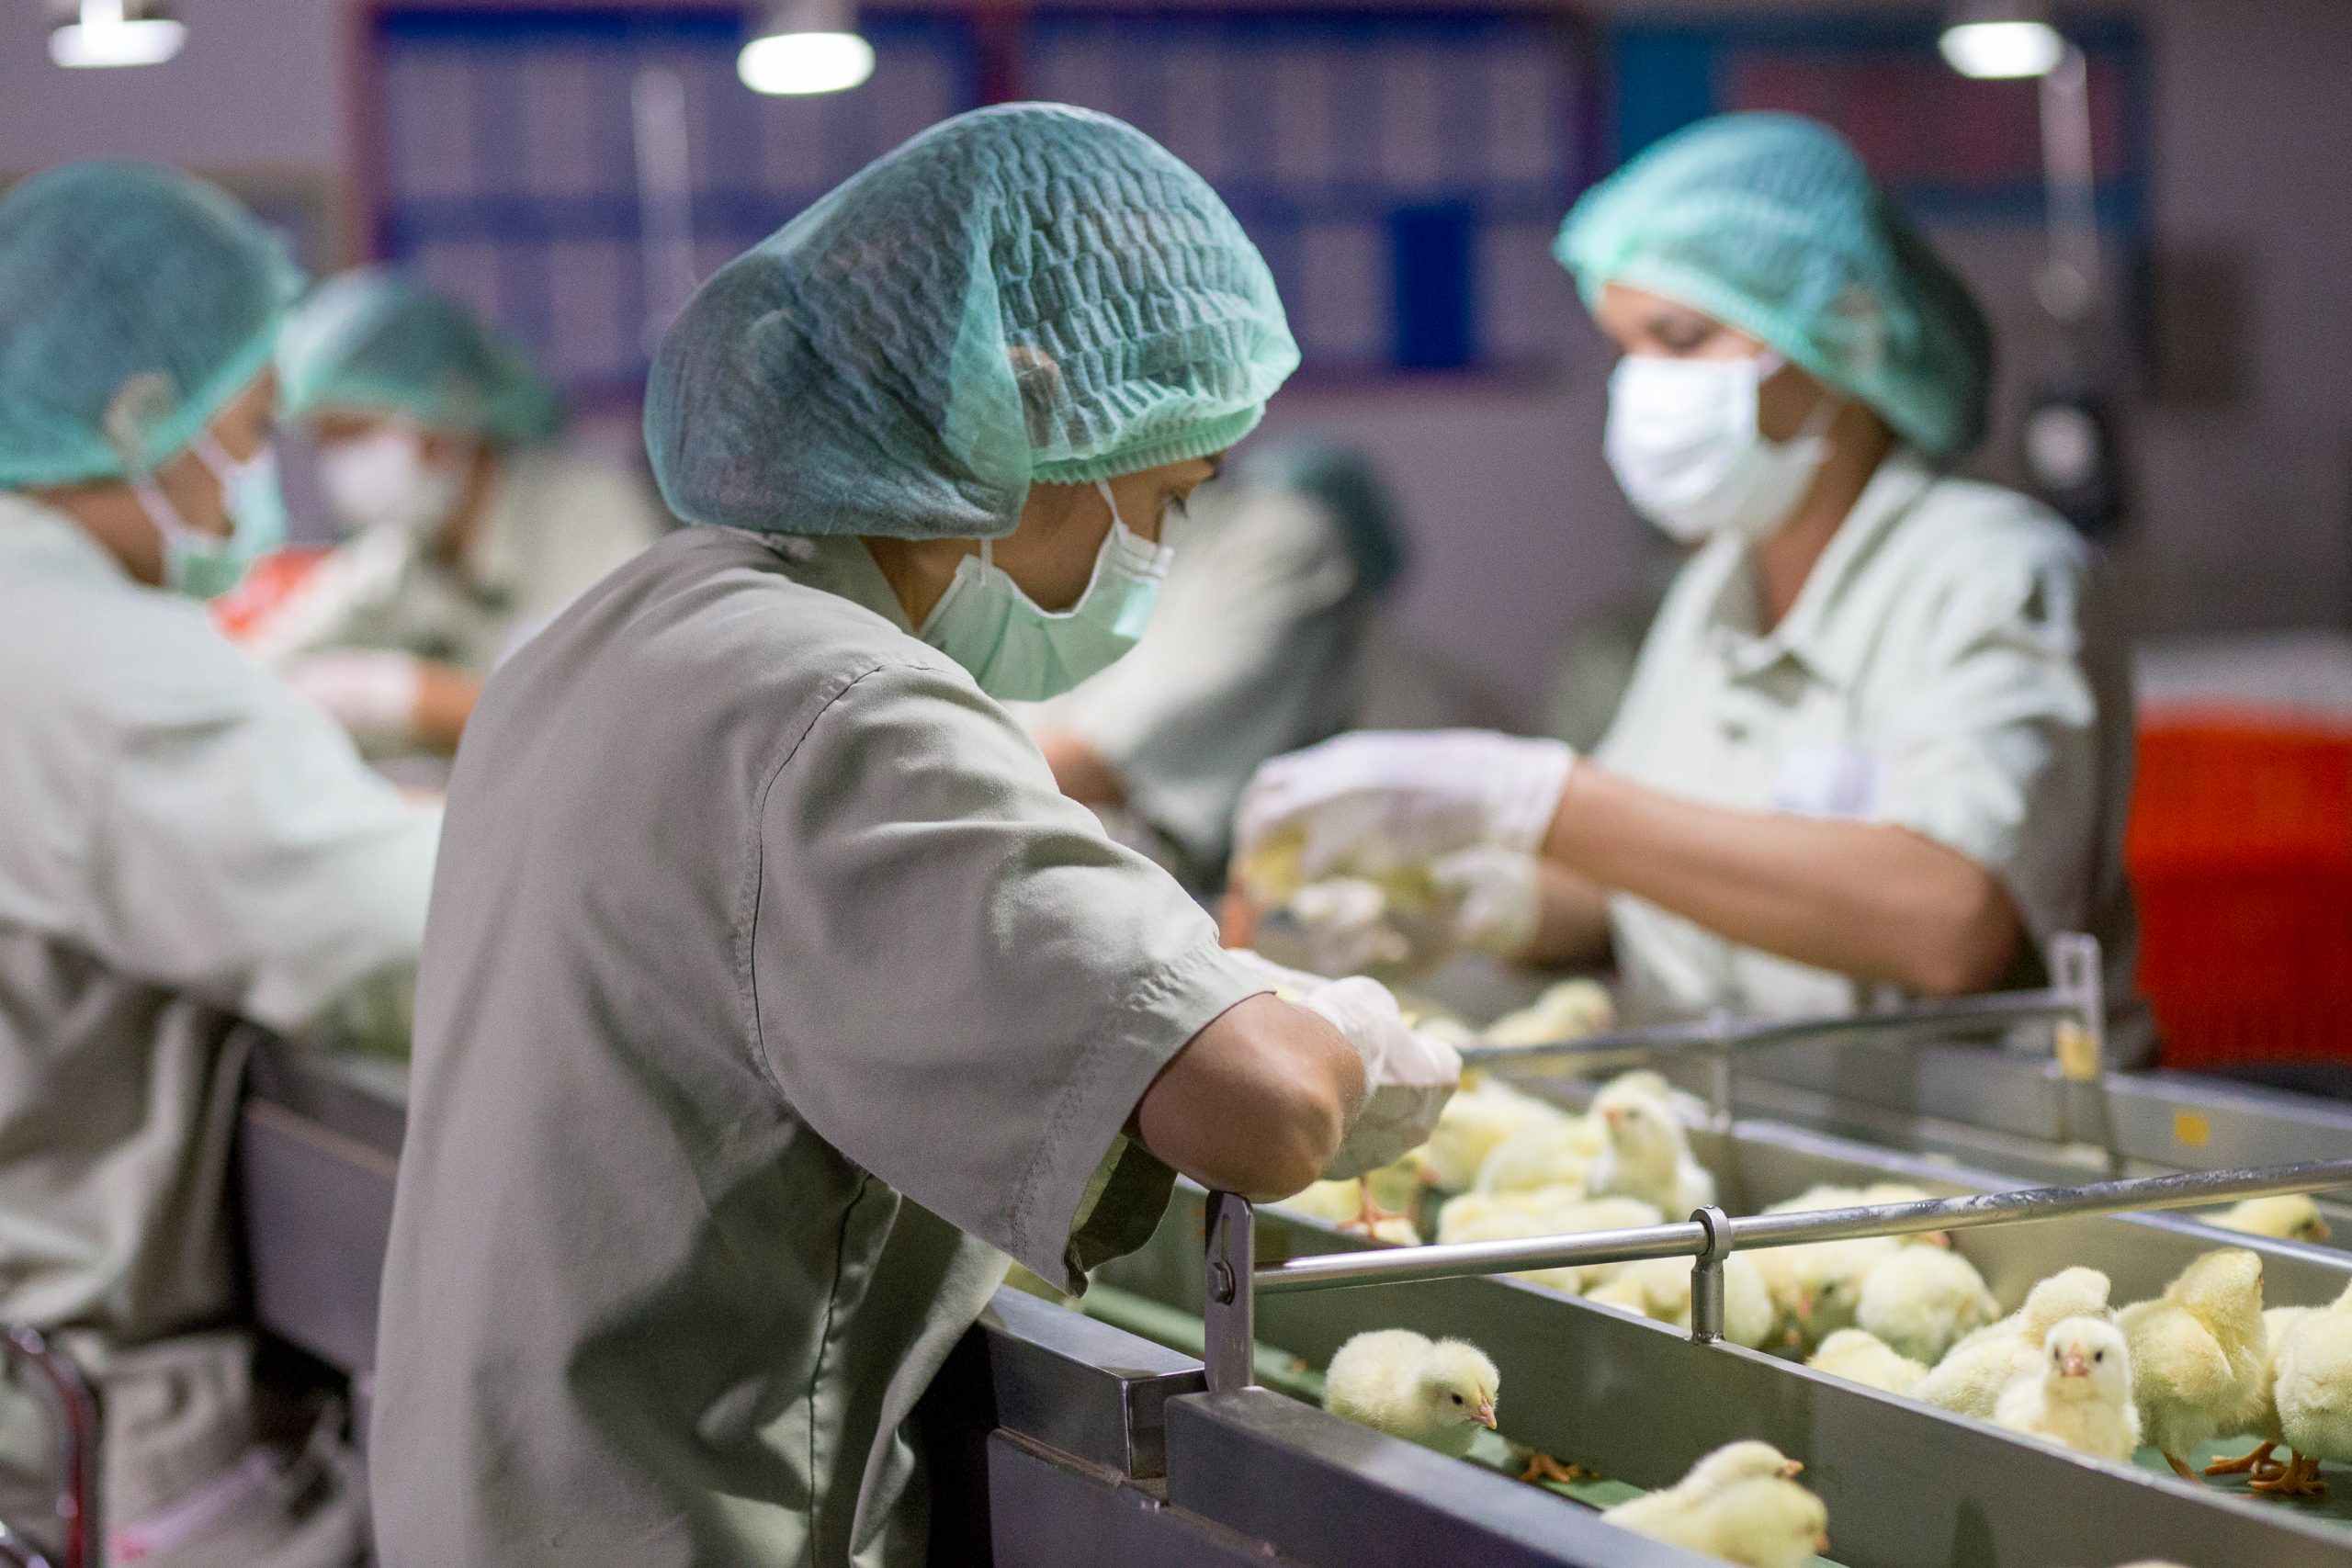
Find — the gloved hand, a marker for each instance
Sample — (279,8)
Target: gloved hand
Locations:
(1490,900)
(370,692)
(1407,1077)
(1375,801)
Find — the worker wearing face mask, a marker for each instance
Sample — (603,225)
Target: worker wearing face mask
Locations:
(1257,648)
(470,525)
(1880,733)
(186,842)
(775,994)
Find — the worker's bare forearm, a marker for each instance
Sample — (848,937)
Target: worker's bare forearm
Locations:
(1873,900)
(1572,921)
(1257,1102)
(1080,771)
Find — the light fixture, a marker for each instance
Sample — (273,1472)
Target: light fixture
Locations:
(807,46)
(97,33)
(2002,39)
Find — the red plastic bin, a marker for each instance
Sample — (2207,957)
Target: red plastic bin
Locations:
(2240,849)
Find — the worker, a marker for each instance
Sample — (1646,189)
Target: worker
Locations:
(188,844)
(469,523)
(1880,739)
(1256,649)
(773,994)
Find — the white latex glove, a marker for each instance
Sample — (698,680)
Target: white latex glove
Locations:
(1407,1077)
(1376,801)
(1492,901)
(370,692)
(1346,922)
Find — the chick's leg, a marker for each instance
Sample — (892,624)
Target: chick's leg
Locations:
(2299,1479)
(2255,1463)
(2181,1468)
(1369,1214)
(1544,1467)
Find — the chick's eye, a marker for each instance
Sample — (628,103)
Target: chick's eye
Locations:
(1457,1399)
(2099,1355)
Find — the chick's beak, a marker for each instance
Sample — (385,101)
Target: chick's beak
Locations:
(1614,1114)
(2319,1230)
(1821,1543)
(1792,1470)
(1487,1413)
(2073,1365)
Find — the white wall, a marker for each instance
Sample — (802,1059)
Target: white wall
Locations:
(2247,509)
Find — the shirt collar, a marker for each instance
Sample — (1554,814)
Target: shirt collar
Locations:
(1813,632)
(838,564)
(47,538)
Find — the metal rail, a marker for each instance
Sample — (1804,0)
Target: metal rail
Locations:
(1708,1237)
(77,1501)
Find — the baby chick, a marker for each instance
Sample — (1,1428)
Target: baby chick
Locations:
(1863,1357)
(1738,1504)
(1474,1124)
(1660,1289)
(2277,1323)
(1971,1376)
(1437,1393)
(2198,1354)
(1566,1010)
(2291,1218)
(1349,1205)
(1747,1460)
(1544,1155)
(2081,1397)
(1924,1300)
(2314,1393)
(1480,1216)
(1646,1155)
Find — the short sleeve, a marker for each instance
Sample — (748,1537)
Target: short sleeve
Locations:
(246,852)
(1994,751)
(959,982)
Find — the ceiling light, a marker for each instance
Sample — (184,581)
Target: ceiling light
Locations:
(807,46)
(2002,39)
(102,33)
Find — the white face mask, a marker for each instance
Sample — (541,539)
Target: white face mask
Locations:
(1684,444)
(384,480)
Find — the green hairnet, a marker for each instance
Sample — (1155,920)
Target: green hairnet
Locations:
(1345,484)
(135,303)
(1025,293)
(375,342)
(1769,223)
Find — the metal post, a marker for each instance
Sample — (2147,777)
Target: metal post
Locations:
(1707,1276)
(77,1410)
(1229,1331)
(2077,972)
(1721,1081)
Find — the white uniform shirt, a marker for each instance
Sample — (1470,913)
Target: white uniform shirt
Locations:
(173,811)
(557,521)
(1952,666)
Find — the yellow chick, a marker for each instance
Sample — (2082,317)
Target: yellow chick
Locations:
(2312,1394)
(1761,1524)
(1863,1357)
(1747,1460)
(1659,1289)
(2080,1398)
(1971,1376)
(1480,1216)
(1646,1155)
(1474,1124)
(1543,1155)
(1434,1393)
(1567,1010)
(1924,1300)
(1349,1205)
(2198,1354)
(2293,1218)
(2277,1323)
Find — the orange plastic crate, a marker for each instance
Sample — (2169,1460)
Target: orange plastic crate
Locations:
(2240,850)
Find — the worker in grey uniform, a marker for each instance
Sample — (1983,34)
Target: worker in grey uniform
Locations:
(773,995)
(1880,739)
(1256,649)
(470,522)
(187,843)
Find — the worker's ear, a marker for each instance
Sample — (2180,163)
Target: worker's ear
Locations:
(446,448)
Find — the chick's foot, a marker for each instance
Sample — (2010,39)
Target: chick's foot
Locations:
(2301,1479)
(1544,1467)
(2257,1463)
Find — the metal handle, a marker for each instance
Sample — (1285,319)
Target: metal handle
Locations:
(1709,1237)
(77,1502)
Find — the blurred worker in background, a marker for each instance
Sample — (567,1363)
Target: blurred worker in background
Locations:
(774,992)
(182,842)
(436,451)
(1881,735)
(1256,649)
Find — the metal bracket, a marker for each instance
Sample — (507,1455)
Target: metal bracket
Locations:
(77,1411)
(1721,1082)
(2077,973)
(1230,1337)
(1707,1276)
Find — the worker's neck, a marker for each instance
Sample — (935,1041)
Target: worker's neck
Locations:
(461,536)
(1859,443)
(110,514)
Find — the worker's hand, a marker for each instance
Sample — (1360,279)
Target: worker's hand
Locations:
(1376,802)
(1407,1077)
(1490,900)
(370,692)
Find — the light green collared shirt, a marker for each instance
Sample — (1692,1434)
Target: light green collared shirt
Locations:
(1953,665)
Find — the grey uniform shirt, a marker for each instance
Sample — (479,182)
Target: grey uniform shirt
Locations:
(772,997)
(1952,665)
